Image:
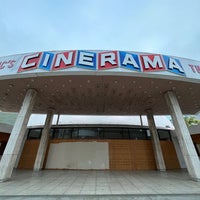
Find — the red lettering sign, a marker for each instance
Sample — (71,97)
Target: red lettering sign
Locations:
(107,60)
(30,62)
(152,62)
(64,60)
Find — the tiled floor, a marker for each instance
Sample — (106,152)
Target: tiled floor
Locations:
(69,182)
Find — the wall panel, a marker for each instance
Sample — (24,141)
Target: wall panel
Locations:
(169,154)
(143,156)
(28,155)
(122,154)
(78,155)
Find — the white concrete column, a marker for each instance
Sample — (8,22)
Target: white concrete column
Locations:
(156,142)
(16,138)
(178,150)
(21,149)
(39,161)
(187,147)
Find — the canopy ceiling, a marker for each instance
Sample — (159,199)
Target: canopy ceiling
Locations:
(99,94)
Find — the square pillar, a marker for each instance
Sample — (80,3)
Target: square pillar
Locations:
(12,149)
(39,161)
(156,142)
(187,147)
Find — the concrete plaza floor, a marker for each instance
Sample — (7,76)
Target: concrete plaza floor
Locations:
(72,184)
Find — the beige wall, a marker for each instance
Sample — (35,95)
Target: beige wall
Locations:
(78,155)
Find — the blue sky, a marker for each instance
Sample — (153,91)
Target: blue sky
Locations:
(167,27)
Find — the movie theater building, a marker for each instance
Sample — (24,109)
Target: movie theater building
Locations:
(99,83)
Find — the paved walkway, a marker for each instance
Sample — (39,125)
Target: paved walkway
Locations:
(69,184)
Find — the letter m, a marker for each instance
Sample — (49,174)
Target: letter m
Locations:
(152,62)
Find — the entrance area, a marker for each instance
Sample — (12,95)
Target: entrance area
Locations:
(105,148)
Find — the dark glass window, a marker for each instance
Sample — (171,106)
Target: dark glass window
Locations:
(58,133)
(113,133)
(34,133)
(61,133)
(88,133)
(125,133)
(164,135)
(51,133)
(138,134)
(75,132)
(101,133)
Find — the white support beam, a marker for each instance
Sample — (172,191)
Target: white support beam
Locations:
(13,146)
(187,147)
(156,142)
(39,161)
